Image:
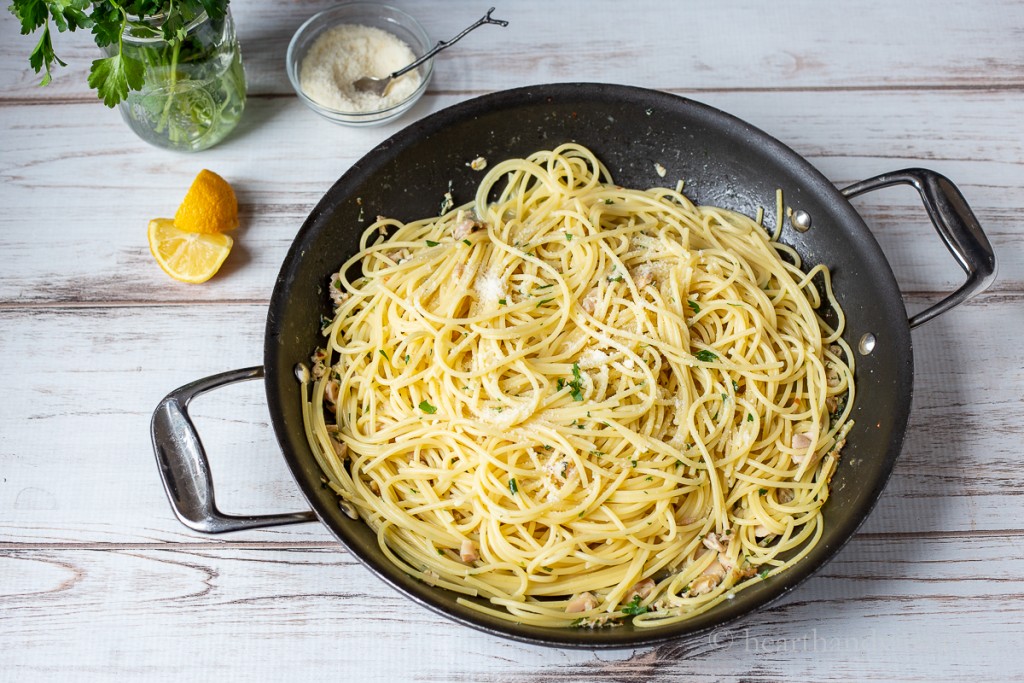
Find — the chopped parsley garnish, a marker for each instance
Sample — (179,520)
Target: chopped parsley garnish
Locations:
(735,386)
(427,408)
(502,301)
(576,384)
(750,417)
(406,358)
(440,551)
(761,492)
(432,243)
(609,201)
(547,286)
(547,569)
(597,453)
(383,353)
(634,608)
(467,243)
(679,463)
(706,356)
(763,573)
(512,486)
(544,301)
(614,278)
(568,237)
(337,283)
(693,305)
(634,462)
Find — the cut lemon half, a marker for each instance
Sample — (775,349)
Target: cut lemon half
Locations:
(187,256)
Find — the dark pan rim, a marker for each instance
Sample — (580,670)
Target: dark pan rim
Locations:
(725,613)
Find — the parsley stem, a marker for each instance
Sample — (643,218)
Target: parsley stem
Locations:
(172,84)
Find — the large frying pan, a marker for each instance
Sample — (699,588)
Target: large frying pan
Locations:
(724,161)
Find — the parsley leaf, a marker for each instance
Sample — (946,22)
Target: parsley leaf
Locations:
(467,243)
(114,76)
(512,486)
(31,13)
(750,418)
(432,243)
(383,353)
(577,383)
(502,301)
(761,492)
(693,305)
(543,301)
(568,237)
(706,356)
(427,408)
(43,57)
(763,573)
(634,608)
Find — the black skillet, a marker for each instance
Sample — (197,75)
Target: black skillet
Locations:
(723,161)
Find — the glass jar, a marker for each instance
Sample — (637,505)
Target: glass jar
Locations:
(193,91)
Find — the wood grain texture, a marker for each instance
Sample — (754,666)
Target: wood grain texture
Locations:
(237,613)
(697,45)
(98,581)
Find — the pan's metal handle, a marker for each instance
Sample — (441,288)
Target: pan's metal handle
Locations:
(185,469)
(956,224)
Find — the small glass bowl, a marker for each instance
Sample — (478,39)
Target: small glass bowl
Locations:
(386,18)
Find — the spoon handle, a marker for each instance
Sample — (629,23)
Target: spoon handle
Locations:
(442,44)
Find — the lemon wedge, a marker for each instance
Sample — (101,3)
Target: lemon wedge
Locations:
(191,257)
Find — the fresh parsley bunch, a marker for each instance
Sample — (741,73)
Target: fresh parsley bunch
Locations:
(113,76)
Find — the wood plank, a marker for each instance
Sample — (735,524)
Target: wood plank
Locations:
(885,608)
(701,46)
(849,136)
(78,465)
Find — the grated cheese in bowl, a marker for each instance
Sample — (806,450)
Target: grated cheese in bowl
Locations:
(338,46)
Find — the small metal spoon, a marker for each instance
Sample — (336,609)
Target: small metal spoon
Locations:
(380,86)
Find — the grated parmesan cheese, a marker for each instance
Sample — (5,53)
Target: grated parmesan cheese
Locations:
(343,54)
(592,358)
(490,288)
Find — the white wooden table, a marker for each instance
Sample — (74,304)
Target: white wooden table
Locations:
(99,581)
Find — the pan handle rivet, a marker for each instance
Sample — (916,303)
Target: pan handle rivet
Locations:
(866,344)
(801,220)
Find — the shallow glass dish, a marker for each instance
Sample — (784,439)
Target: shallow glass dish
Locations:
(386,18)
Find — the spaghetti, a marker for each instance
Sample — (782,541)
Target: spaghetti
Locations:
(581,403)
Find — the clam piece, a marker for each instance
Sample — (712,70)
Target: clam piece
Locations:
(468,552)
(583,602)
